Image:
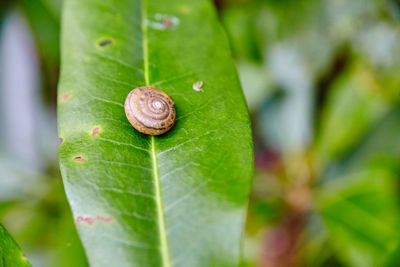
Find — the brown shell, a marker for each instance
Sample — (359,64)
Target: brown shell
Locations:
(150,111)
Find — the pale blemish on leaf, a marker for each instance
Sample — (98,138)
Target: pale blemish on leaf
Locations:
(65,96)
(92,220)
(163,22)
(197,86)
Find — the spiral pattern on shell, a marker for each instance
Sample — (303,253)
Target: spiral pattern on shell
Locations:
(150,110)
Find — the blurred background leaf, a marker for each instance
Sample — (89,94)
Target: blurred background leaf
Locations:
(10,253)
(32,201)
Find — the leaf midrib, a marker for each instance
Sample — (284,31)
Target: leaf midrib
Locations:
(164,251)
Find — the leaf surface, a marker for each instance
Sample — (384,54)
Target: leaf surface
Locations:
(172,200)
(10,253)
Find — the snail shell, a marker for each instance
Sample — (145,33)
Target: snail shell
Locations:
(150,111)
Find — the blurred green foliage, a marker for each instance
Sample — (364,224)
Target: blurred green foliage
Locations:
(44,19)
(33,206)
(322,83)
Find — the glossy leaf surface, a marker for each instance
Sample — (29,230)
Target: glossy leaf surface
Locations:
(172,200)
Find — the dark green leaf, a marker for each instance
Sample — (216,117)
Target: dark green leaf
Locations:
(359,203)
(172,200)
(354,104)
(44,23)
(361,214)
(10,253)
(379,149)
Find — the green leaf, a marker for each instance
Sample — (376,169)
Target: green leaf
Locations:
(358,93)
(241,28)
(10,253)
(379,149)
(44,23)
(173,200)
(359,203)
(362,232)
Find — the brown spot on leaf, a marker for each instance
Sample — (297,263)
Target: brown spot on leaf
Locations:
(95,131)
(80,159)
(88,220)
(92,220)
(65,96)
(104,219)
(106,42)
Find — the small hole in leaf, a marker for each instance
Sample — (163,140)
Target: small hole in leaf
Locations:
(79,159)
(106,42)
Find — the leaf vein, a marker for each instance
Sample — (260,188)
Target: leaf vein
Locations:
(122,144)
(179,200)
(186,142)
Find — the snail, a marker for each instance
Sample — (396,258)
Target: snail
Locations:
(150,110)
